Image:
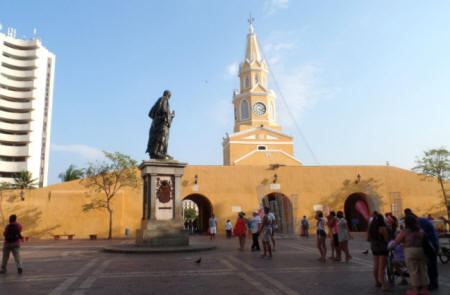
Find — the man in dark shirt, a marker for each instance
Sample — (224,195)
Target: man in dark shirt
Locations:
(12,244)
(432,236)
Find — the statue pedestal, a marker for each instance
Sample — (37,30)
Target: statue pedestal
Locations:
(162,222)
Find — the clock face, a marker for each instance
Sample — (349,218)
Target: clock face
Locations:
(259,108)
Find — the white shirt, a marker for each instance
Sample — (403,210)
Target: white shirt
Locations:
(256,221)
(228,225)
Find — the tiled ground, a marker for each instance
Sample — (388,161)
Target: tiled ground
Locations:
(81,267)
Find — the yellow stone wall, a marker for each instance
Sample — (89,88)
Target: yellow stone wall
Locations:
(57,209)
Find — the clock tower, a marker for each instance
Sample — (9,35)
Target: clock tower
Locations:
(257,138)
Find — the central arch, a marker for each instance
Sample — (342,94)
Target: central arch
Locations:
(281,206)
(357,207)
(205,210)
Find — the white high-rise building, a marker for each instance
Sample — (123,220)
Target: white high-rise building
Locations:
(26,95)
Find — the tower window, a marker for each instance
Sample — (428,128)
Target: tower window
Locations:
(245,110)
(247,82)
(235,114)
(256,79)
(261,148)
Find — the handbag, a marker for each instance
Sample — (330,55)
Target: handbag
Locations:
(428,248)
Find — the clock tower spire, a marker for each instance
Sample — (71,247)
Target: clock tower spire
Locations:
(254,103)
(257,138)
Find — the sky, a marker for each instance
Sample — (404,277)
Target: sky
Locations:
(367,82)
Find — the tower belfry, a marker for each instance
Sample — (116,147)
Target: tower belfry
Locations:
(257,139)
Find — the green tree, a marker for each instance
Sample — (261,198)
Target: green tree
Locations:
(436,163)
(24,180)
(71,173)
(190,213)
(109,177)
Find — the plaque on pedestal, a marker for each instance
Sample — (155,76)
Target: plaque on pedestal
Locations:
(162,219)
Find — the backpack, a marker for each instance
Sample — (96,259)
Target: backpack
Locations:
(12,233)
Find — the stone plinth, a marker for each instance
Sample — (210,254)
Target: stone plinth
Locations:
(162,220)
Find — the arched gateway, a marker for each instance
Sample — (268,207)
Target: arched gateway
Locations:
(205,210)
(356,207)
(281,206)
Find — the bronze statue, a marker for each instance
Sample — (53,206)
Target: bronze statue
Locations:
(159,131)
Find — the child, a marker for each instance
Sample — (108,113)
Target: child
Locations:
(398,260)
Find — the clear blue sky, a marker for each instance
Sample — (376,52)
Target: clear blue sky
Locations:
(368,81)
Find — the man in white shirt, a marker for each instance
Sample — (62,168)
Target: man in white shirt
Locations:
(256,221)
(212,227)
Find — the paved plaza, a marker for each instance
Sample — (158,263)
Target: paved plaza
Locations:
(81,267)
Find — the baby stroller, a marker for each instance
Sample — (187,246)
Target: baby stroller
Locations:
(391,272)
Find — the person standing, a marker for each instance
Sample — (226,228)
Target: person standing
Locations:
(12,244)
(333,235)
(266,229)
(355,224)
(431,235)
(212,227)
(415,258)
(240,228)
(321,236)
(305,226)
(273,222)
(228,228)
(343,236)
(378,237)
(255,221)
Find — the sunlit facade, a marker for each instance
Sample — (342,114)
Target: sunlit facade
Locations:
(26,95)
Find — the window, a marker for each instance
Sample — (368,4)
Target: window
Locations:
(245,110)
(256,78)
(246,82)
(235,114)
(261,148)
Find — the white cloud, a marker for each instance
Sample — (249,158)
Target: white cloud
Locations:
(272,6)
(299,85)
(87,152)
(275,51)
(232,70)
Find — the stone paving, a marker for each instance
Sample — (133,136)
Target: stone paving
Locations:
(81,267)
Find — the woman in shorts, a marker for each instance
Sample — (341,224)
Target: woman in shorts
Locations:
(321,236)
(266,230)
(378,237)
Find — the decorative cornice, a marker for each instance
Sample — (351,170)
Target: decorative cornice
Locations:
(265,151)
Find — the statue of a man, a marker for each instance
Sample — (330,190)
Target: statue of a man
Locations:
(159,131)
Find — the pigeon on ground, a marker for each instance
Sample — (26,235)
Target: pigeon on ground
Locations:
(198,260)
(366,252)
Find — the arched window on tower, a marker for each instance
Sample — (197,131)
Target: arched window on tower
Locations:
(256,78)
(271,112)
(245,110)
(235,114)
(246,82)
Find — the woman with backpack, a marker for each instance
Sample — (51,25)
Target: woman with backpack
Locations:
(12,243)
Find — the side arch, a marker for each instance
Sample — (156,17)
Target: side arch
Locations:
(357,207)
(282,208)
(205,210)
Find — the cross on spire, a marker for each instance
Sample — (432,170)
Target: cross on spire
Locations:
(250,21)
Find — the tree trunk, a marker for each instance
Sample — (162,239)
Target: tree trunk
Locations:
(110,223)
(445,198)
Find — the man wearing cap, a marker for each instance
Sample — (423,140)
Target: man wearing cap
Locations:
(256,221)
